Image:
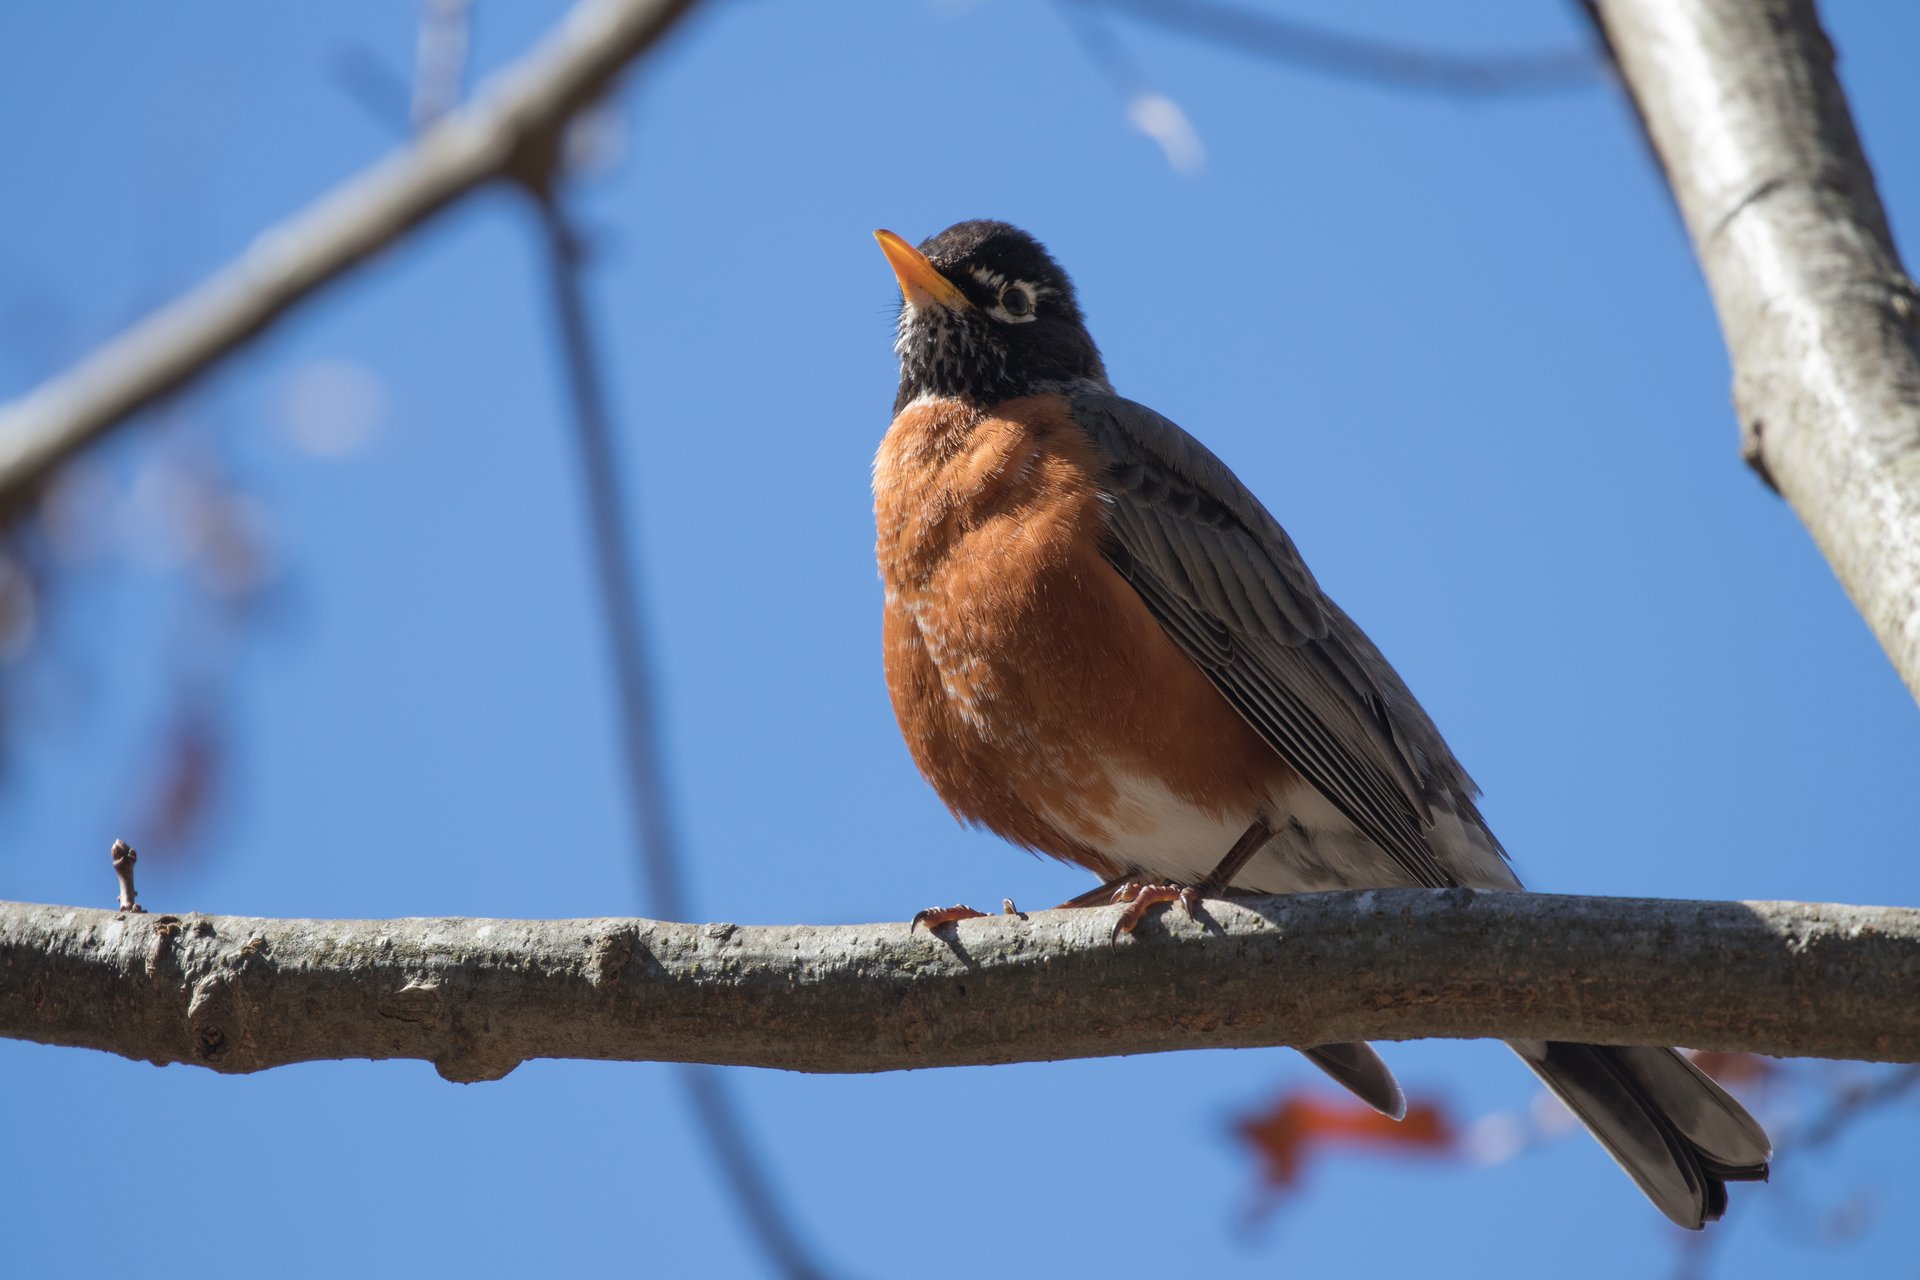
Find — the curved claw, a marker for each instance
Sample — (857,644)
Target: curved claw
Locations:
(938,917)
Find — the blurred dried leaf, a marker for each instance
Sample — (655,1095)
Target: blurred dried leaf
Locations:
(1286,1136)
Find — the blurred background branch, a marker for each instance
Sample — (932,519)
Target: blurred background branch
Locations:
(621,595)
(512,130)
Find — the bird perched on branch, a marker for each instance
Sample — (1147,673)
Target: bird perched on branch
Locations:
(1100,645)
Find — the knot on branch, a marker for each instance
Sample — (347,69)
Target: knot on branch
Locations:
(472,1065)
(611,954)
(418,1002)
(422,1004)
(213,1018)
(160,949)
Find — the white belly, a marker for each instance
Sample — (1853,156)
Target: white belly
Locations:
(1155,835)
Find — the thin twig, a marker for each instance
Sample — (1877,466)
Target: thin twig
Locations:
(1397,66)
(123,859)
(622,613)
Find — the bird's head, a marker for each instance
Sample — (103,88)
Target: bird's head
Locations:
(986,315)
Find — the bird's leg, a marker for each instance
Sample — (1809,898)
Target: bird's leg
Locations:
(1251,841)
(1142,898)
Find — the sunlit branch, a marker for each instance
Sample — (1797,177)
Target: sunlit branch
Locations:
(478,997)
(1820,318)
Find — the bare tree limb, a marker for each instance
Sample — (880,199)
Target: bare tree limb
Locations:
(477,997)
(1741,101)
(512,131)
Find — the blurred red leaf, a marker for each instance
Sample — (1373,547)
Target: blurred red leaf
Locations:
(1285,1136)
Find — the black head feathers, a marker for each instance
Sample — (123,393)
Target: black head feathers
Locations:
(987,315)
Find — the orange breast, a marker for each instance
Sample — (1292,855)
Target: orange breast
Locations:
(1029,680)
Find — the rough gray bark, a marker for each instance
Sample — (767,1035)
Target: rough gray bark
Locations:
(512,131)
(477,997)
(1740,100)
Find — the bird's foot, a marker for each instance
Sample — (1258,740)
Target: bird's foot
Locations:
(940,917)
(937,917)
(1142,898)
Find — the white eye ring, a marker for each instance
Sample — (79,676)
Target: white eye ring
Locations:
(1017,304)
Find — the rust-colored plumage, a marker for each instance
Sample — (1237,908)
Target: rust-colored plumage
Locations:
(1026,673)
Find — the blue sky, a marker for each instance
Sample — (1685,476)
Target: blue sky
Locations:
(1460,349)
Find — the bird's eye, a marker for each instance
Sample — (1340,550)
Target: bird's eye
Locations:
(1016,301)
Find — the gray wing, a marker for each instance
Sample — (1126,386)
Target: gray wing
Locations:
(1224,580)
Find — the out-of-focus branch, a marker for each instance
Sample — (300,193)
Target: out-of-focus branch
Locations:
(1820,317)
(616,576)
(1398,66)
(477,997)
(512,130)
(1851,1105)
(623,617)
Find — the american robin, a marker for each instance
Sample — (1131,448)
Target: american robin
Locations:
(1100,645)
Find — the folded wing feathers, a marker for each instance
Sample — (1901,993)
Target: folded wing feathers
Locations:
(1225,581)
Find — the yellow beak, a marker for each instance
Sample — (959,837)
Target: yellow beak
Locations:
(920,281)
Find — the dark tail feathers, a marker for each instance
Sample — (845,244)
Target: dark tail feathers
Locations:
(1359,1069)
(1679,1135)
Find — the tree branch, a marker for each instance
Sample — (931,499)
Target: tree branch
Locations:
(1740,99)
(477,997)
(511,131)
